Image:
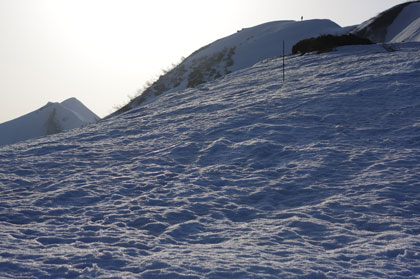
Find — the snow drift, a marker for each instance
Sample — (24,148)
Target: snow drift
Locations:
(243,177)
(238,51)
(50,119)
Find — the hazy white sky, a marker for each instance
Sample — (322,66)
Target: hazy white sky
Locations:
(101,51)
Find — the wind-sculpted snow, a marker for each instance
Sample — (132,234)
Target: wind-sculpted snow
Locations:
(245,177)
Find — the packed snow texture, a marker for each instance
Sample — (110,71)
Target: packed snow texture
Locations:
(245,177)
(50,119)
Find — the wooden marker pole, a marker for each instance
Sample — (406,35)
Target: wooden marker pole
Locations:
(283,61)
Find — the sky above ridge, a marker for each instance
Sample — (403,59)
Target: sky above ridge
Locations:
(103,51)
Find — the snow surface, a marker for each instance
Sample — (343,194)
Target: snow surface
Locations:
(244,177)
(50,119)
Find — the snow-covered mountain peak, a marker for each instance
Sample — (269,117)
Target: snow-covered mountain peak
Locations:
(81,111)
(50,119)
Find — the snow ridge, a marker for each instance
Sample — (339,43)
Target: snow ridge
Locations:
(252,45)
(243,177)
(235,52)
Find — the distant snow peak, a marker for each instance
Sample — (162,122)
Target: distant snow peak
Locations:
(50,119)
(81,111)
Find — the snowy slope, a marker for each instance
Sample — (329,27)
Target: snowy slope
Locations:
(238,51)
(406,17)
(50,119)
(398,24)
(410,34)
(244,177)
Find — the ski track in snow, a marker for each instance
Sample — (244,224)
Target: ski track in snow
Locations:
(244,177)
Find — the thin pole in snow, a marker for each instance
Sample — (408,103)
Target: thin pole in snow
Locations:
(283,61)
